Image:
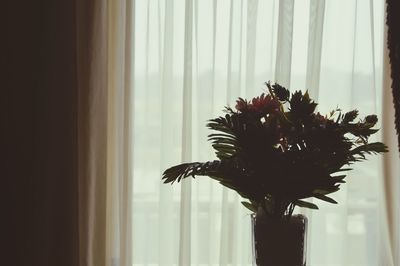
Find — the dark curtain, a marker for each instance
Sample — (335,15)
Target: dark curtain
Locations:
(38,101)
(393,42)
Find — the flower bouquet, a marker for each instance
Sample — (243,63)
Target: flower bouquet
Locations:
(276,151)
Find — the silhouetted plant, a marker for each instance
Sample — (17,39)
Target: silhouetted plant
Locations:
(276,151)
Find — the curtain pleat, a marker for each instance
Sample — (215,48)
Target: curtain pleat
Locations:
(126,182)
(390,212)
(165,199)
(92,126)
(225,221)
(186,189)
(284,43)
(104,137)
(119,175)
(314,50)
(392,109)
(251,39)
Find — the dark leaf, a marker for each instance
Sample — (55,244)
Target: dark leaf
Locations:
(350,116)
(279,91)
(249,206)
(325,198)
(305,204)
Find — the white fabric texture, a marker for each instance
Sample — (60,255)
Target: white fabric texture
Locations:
(104,49)
(171,66)
(390,211)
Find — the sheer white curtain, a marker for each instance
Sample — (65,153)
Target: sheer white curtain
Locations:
(162,68)
(194,57)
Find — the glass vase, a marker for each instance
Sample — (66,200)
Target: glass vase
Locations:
(279,242)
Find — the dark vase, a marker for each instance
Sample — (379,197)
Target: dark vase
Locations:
(279,242)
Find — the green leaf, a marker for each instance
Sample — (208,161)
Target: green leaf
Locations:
(350,116)
(306,204)
(324,198)
(178,172)
(371,119)
(375,147)
(344,169)
(339,178)
(279,91)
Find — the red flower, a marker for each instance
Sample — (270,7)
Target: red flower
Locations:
(262,105)
(320,118)
(265,104)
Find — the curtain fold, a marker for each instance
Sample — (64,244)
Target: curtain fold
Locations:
(165,201)
(104,45)
(284,43)
(314,50)
(392,109)
(92,128)
(186,190)
(391,164)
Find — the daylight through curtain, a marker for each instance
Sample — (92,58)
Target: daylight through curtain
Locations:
(192,58)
